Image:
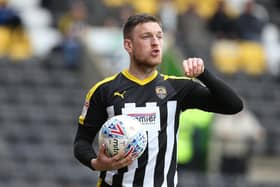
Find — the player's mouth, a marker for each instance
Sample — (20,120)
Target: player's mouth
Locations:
(155,52)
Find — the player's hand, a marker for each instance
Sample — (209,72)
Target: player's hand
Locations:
(104,162)
(193,67)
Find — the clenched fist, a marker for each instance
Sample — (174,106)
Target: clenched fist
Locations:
(193,67)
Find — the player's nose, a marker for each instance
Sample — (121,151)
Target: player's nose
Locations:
(155,41)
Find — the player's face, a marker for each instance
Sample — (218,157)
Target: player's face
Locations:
(145,44)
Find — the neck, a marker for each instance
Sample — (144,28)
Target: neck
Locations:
(141,72)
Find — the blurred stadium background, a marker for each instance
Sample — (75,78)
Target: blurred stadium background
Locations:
(53,51)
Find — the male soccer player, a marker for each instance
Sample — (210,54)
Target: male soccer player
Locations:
(158,99)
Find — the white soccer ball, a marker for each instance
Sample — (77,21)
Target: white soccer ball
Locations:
(123,133)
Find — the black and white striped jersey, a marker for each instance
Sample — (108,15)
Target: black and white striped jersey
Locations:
(156,102)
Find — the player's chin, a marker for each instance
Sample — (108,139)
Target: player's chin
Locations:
(151,62)
(155,61)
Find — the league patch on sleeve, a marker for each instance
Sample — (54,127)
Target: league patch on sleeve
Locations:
(84,112)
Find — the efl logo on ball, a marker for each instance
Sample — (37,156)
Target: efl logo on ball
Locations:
(123,133)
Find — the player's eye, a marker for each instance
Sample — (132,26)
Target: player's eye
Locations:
(146,36)
(159,36)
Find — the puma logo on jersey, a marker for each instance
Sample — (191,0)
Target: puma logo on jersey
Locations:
(120,94)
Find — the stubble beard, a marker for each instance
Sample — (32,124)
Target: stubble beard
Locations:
(144,63)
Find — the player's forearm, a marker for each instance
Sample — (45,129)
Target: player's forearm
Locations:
(83,149)
(229,101)
(84,153)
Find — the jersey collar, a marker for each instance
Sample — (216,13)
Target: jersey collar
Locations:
(139,81)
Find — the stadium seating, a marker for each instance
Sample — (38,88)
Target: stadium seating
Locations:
(225,55)
(38,117)
(252,58)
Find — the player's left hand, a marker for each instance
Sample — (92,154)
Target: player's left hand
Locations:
(103,162)
(193,67)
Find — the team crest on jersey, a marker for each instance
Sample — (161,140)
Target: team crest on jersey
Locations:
(161,92)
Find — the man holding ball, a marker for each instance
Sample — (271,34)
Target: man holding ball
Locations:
(156,99)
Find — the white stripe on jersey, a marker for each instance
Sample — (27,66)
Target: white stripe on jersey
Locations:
(109,176)
(171,111)
(152,154)
(110,111)
(176,178)
(128,177)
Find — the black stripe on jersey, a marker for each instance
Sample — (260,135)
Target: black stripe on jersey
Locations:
(117,180)
(140,173)
(102,176)
(159,169)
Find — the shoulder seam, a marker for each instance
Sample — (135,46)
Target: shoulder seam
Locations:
(90,93)
(165,77)
(98,84)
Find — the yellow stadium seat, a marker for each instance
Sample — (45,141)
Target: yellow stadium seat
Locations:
(225,56)
(145,6)
(206,8)
(114,3)
(183,5)
(20,47)
(252,57)
(4,41)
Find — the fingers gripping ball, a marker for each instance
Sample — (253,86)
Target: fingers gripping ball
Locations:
(123,133)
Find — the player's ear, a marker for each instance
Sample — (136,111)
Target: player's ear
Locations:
(127,45)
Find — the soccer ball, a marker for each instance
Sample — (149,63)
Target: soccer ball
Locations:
(123,133)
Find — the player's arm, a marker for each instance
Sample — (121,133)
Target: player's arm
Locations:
(90,121)
(216,96)
(83,149)
(92,115)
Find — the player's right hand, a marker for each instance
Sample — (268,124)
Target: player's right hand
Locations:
(193,67)
(104,162)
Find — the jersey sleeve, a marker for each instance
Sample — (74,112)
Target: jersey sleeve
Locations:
(90,121)
(93,113)
(213,95)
